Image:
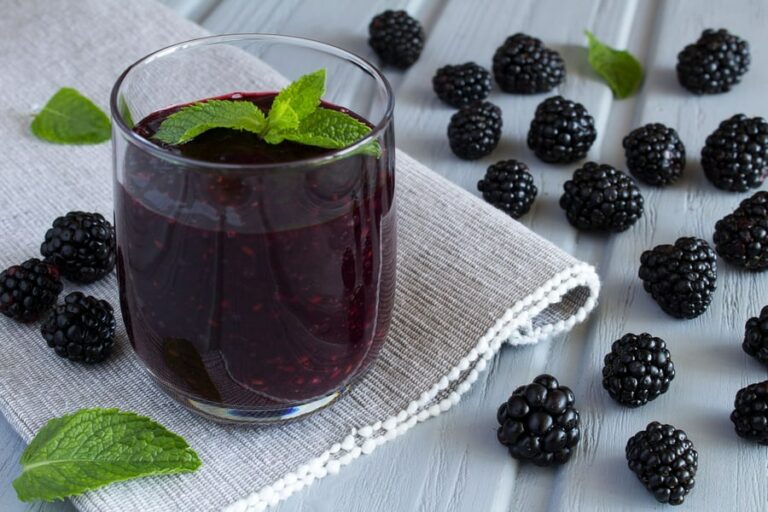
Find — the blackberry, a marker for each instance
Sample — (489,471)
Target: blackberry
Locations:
(396,37)
(665,461)
(461,85)
(741,238)
(539,423)
(601,198)
(81,329)
(714,63)
(655,155)
(562,131)
(735,156)
(682,277)
(756,337)
(475,130)
(524,65)
(29,290)
(638,369)
(754,206)
(750,413)
(82,245)
(508,185)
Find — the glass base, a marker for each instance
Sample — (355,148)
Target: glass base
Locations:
(245,415)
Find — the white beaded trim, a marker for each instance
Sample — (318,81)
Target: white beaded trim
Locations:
(514,327)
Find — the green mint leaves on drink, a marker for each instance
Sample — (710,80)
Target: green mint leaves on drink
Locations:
(71,118)
(293,104)
(191,121)
(95,447)
(295,115)
(619,68)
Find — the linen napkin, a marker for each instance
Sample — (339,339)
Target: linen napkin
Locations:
(469,280)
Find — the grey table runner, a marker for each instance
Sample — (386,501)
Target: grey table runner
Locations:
(469,280)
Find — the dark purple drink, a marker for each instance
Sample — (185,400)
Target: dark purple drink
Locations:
(254,288)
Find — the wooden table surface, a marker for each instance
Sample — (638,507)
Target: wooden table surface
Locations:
(454,463)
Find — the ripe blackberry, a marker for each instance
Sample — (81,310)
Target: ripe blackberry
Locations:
(735,156)
(756,337)
(524,65)
(81,329)
(539,423)
(82,245)
(508,186)
(741,238)
(475,130)
(29,290)
(396,37)
(750,414)
(638,369)
(655,155)
(754,206)
(562,131)
(681,278)
(601,198)
(714,63)
(461,85)
(665,461)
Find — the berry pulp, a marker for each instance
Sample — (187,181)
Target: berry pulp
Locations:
(255,287)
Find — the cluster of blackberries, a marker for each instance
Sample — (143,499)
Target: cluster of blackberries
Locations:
(639,369)
(540,424)
(80,247)
(562,131)
(750,408)
(734,157)
(682,277)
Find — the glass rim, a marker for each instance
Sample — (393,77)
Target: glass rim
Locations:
(145,144)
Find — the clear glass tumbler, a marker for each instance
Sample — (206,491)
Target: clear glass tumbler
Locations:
(256,284)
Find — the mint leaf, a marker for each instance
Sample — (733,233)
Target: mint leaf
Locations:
(621,71)
(328,128)
(94,447)
(295,115)
(191,121)
(71,118)
(294,103)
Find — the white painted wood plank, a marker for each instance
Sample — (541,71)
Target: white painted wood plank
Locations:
(195,10)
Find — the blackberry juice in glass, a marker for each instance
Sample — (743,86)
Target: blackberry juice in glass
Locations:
(256,280)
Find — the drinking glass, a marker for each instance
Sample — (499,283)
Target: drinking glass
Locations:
(254,292)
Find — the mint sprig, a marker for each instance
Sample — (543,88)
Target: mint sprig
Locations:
(71,118)
(95,447)
(189,122)
(295,115)
(294,103)
(620,69)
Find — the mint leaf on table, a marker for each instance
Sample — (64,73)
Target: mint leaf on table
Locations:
(293,104)
(94,447)
(191,121)
(295,115)
(619,68)
(71,118)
